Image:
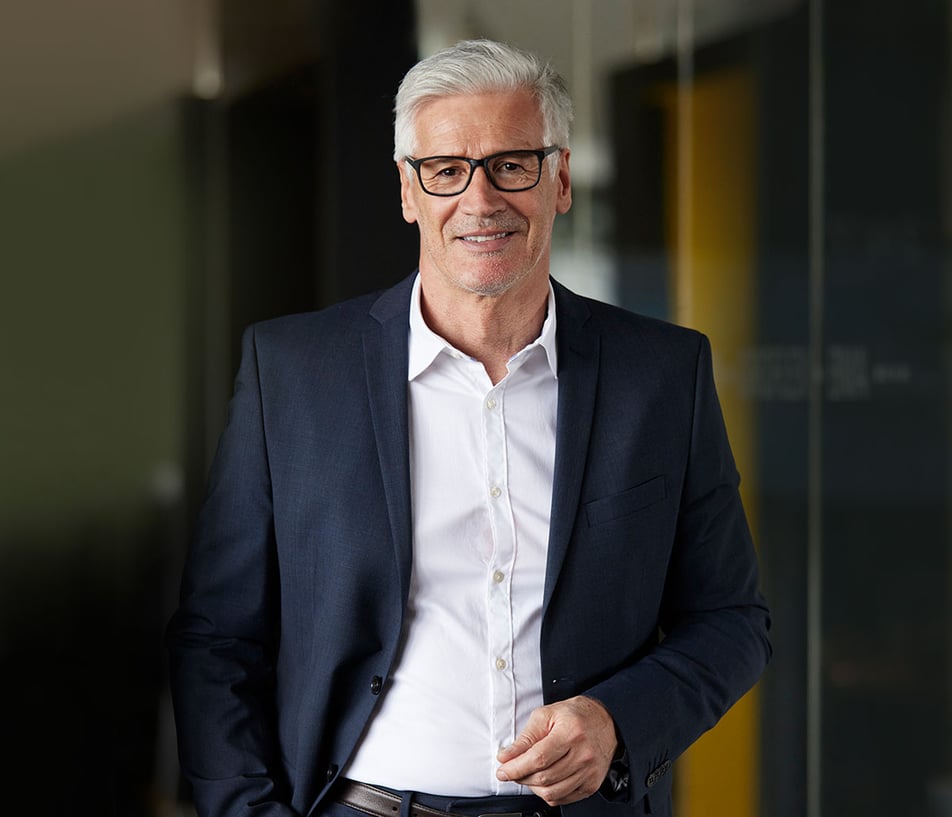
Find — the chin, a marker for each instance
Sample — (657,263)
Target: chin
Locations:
(489,286)
(492,282)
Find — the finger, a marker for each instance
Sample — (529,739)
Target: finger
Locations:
(519,746)
(547,771)
(541,755)
(566,790)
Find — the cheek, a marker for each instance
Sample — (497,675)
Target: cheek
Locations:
(431,231)
(433,219)
(541,222)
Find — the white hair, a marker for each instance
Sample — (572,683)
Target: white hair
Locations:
(478,67)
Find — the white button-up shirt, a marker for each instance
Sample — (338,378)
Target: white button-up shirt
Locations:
(481,466)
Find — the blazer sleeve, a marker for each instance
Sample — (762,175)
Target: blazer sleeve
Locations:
(713,619)
(223,637)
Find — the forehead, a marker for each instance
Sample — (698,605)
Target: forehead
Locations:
(478,124)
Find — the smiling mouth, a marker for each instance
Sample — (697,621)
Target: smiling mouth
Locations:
(479,239)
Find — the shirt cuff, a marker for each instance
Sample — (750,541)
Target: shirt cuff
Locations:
(615,784)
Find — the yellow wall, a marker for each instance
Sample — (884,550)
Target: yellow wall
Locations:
(710,167)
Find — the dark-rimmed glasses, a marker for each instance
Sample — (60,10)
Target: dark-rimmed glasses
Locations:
(511,171)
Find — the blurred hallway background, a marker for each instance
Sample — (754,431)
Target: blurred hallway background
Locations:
(777,174)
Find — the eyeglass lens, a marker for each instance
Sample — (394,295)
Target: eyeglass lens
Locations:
(511,172)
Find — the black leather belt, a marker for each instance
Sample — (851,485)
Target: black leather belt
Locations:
(381,803)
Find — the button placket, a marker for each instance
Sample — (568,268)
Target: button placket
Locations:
(499,601)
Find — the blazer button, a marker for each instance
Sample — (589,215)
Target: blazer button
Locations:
(376,684)
(657,774)
(331,771)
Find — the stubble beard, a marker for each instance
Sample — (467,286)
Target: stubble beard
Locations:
(499,279)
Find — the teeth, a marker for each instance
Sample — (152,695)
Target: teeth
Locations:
(480,238)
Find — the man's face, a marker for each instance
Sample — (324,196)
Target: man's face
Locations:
(484,241)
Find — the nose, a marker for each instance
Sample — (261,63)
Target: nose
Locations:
(481,198)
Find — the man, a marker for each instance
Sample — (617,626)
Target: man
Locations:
(473,545)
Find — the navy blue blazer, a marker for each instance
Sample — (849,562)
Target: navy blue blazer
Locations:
(297,576)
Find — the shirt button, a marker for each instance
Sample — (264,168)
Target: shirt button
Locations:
(500,663)
(498,576)
(490,404)
(494,492)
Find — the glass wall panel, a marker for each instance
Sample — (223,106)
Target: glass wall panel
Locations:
(779,176)
(796,176)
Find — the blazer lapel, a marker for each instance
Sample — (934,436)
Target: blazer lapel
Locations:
(386,361)
(578,347)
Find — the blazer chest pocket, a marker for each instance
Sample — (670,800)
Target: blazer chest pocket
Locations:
(626,503)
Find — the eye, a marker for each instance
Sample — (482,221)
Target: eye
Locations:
(443,168)
(508,165)
(516,167)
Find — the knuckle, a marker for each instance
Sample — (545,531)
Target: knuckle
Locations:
(547,795)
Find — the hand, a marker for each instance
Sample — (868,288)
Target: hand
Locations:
(564,752)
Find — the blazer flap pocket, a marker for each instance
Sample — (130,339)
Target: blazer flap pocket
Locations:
(625,503)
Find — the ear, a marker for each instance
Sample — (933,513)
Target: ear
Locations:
(406,192)
(563,199)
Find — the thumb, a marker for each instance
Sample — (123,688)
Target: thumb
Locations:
(537,727)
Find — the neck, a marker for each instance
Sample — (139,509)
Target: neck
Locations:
(488,328)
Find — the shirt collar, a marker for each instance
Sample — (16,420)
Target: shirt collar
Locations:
(425,345)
